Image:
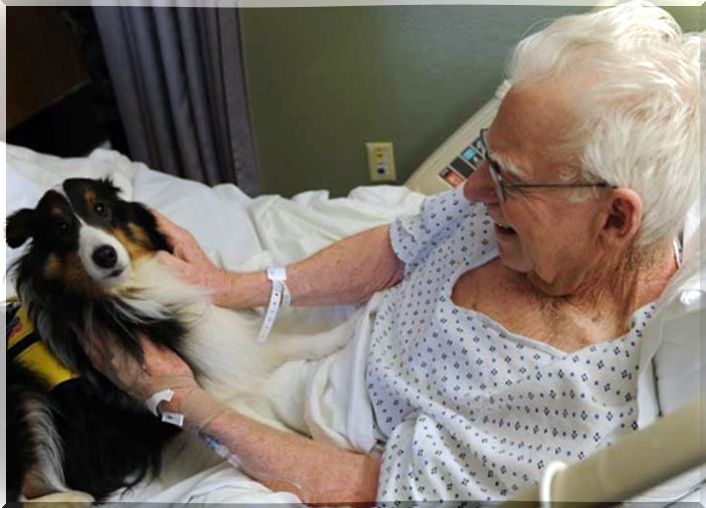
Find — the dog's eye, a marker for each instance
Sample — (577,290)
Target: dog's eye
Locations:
(62,226)
(99,208)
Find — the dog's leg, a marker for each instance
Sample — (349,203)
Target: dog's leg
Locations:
(283,348)
(68,499)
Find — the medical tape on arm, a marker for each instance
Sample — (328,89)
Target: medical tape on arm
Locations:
(276,482)
(280,295)
(197,411)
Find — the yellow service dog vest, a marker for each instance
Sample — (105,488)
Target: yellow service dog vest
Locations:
(24,345)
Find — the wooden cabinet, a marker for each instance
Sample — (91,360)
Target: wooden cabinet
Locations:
(43,63)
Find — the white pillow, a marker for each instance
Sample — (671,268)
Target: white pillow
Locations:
(679,360)
(673,348)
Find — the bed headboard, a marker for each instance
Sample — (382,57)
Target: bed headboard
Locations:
(458,156)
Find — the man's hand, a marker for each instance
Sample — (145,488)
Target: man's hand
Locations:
(192,264)
(161,368)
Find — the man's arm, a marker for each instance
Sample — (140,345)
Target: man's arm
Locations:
(316,472)
(348,271)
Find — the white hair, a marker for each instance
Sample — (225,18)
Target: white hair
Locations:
(639,113)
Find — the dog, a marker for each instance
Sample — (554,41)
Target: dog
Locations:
(91,268)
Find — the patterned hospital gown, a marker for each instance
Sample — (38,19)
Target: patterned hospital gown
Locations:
(469,410)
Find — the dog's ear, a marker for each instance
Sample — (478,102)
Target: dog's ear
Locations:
(109,187)
(20,227)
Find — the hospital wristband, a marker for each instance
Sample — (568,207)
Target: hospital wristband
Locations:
(280,295)
(193,413)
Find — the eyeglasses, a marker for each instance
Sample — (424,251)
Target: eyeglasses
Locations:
(501,185)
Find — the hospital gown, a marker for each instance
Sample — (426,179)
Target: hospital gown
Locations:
(469,410)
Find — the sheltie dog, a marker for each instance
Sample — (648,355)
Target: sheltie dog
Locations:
(91,266)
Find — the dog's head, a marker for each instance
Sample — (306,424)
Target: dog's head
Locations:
(84,237)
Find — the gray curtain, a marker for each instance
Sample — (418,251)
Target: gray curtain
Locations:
(179,83)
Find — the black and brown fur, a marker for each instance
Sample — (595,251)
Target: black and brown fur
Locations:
(107,440)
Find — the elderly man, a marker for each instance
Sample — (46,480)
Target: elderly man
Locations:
(508,328)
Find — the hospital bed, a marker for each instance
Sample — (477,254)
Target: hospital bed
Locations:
(243,233)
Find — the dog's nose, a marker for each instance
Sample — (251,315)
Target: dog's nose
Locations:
(105,256)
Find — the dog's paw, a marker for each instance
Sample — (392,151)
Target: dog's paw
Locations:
(69,499)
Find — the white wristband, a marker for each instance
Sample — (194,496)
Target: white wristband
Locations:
(167,417)
(153,401)
(280,294)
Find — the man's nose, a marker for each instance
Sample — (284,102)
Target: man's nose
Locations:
(479,187)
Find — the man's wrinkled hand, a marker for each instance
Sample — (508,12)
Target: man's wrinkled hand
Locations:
(161,367)
(191,263)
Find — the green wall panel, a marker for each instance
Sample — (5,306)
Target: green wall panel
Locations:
(323,81)
(691,19)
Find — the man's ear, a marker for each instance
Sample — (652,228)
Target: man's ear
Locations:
(623,216)
(20,227)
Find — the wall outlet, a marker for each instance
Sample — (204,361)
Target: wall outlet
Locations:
(381,162)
